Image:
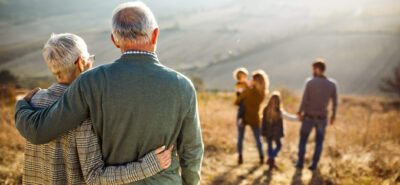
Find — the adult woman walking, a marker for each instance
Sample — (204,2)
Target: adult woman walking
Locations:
(251,99)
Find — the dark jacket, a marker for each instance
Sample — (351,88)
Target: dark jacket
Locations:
(271,130)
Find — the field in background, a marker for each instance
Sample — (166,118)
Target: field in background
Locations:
(363,147)
(359,39)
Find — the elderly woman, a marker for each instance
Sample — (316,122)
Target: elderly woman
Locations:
(252,98)
(75,157)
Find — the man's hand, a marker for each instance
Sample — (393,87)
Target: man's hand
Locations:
(301,118)
(29,96)
(164,156)
(332,121)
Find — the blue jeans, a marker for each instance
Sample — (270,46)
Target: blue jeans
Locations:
(306,128)
(272,153)
(256,133)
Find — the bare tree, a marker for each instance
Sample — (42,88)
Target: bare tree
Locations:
(391,84)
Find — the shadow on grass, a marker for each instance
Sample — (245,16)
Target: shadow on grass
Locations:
(296,179)
(268,174)
(226,177)
(316,178)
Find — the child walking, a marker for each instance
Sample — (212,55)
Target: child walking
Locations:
(272,126)
(240,75)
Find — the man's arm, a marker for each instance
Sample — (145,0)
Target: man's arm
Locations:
(190,145)
(96,172)
(42,126)
(304,99)
(334,102)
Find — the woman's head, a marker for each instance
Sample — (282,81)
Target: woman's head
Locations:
(273,108)
(67,56)
(260,81)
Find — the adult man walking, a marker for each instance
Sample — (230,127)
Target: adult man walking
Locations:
(136,104)
(318,91)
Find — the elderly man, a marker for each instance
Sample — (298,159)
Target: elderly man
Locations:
(313,111)
(75,157)
(136,104)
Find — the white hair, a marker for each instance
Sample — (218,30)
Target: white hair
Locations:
(62,50)
(133,21)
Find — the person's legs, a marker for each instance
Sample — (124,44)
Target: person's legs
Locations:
(241,130)
(256,133)
(257,137)
(306,127)
(270,148)
(320,126)
(278,147)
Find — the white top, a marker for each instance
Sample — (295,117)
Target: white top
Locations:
(289,117)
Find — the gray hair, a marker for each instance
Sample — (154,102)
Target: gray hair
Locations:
(133,21)
(62,50)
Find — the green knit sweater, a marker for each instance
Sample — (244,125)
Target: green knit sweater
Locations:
(136,105)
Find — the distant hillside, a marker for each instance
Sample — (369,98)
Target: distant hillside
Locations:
(359,39)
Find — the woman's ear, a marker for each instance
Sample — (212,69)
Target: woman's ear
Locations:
(80,65)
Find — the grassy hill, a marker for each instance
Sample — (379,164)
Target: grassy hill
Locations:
(362,147)
(359,39)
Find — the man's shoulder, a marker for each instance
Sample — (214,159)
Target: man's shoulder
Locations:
(180,79)
(309,80)
(332,81)
(96,71)
(93,75)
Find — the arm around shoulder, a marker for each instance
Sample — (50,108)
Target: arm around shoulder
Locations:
(42,126)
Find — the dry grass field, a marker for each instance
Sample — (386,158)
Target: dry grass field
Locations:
(362,147)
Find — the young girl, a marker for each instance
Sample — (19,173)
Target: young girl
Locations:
(251,99)
(272,126)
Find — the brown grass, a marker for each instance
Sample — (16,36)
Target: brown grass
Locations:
(11,148)
(363,147)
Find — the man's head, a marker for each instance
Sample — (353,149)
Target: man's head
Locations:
(318,67)
(240,74)
(67,56)
(134,27)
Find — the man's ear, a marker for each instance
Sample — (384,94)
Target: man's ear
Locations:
(154,36)
(113,40)
(80,65)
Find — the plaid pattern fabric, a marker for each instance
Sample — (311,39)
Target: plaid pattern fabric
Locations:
(75,157)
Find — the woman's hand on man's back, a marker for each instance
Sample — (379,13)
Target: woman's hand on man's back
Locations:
(164,156)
